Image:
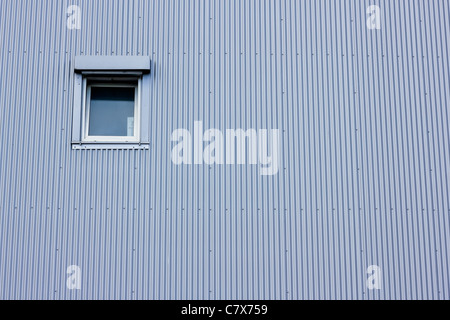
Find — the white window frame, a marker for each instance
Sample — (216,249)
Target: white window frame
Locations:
(86,111)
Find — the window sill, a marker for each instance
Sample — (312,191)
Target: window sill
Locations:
(110,146)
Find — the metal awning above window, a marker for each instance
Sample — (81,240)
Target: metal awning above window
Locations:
(112,63)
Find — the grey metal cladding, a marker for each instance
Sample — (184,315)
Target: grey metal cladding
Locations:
(364,167)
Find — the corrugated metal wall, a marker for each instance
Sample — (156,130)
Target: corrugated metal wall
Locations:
(364,171)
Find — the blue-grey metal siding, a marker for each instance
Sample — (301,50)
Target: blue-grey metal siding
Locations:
(365,166)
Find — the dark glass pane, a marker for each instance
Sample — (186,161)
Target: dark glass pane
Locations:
(111,111)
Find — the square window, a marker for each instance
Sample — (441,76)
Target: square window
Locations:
(111,106)
(112,112)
